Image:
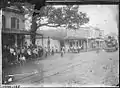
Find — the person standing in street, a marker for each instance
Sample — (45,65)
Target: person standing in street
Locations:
(52,51)
(62,51)
(56,49)
(79,48)
(46,51)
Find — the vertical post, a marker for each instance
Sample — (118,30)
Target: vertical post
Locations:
(87,45)
(78,42)
(81,43)
(49,45)
(75,43)
(21,41)
(16,40)
(42,40)
(99,44)
(0,46)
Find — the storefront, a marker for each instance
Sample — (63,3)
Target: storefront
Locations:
(13,37)
(75,42)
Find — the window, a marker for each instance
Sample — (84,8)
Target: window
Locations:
(3,21)
(17,23)
(14,23)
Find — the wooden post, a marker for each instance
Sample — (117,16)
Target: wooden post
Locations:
(21,41)
(99,44)
(78,42)
(87,45)
(16,40)
(75,43)
(42,40)
(81,43)
(49,45)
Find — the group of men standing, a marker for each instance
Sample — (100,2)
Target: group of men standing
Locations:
(50,51)
(70,49)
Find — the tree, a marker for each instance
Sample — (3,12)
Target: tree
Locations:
(66,16)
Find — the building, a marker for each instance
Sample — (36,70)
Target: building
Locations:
(87,37)
(12,26)
(43,41)
(77,38)
(96,38)
(48,42)
(50,38)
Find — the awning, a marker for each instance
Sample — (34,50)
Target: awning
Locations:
(74,37)
(54,34)
(99,40)
(15,31)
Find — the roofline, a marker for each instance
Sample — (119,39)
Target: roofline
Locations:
(12,10)
(15,31)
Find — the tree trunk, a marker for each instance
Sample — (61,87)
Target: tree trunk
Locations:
(33,38)
(33,30)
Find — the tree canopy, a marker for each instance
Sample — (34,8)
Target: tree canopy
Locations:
(65,16)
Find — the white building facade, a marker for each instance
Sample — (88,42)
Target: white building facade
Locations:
(43,41)
(85,37)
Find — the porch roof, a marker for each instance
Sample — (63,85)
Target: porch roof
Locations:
(74,37)
(16,31)
(54,34)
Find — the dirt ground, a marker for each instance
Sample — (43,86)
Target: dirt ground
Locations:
(86,68)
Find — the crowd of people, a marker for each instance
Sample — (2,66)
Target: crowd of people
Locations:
(72,49)
(13,55)
(75,49)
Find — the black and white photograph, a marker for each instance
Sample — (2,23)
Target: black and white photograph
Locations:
(65,45)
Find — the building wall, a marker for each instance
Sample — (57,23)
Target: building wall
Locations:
(27,40)
(80,33)
(53,43)
(8,16)
(94,33)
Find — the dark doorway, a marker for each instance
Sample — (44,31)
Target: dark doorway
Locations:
(8,39)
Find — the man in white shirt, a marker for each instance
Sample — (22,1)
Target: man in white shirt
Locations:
(11,50)
(79,48)
(46,51)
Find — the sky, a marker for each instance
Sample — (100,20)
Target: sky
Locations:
(102,16)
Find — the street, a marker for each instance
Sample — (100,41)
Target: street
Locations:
(85,68)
